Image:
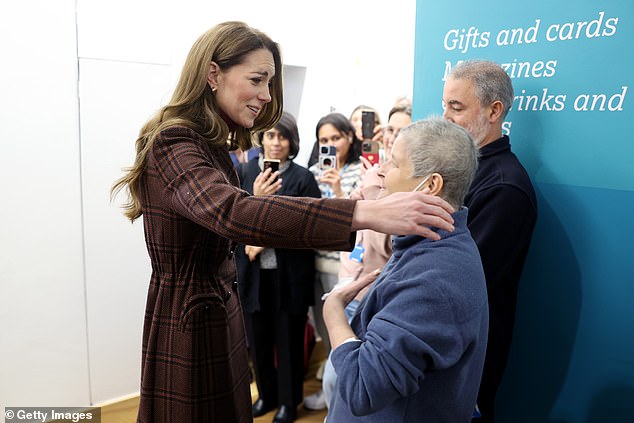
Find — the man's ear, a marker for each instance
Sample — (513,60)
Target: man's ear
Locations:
(495,111)
(435,184)
(213,76)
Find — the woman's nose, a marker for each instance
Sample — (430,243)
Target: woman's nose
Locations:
(265,95)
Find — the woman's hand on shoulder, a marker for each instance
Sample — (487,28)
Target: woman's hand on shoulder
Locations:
(404,213)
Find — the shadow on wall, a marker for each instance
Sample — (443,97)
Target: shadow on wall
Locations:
(549,301)
(614,404)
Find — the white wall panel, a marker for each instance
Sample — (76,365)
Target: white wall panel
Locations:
(117,263)
(43,350)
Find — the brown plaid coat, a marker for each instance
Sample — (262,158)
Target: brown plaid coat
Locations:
(194,363)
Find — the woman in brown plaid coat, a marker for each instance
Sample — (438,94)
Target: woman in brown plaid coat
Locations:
(194,363)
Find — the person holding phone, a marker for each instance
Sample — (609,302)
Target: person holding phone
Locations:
(194,364)
(356,118)
(370,149)
(337,178)
(372,249)
(275,284)
(339,181)
(356,121)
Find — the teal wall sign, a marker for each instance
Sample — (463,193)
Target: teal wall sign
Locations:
(572,66)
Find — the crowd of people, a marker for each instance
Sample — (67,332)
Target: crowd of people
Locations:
(408,269)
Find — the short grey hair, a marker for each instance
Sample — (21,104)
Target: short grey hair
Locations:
(437,145)
(491,82)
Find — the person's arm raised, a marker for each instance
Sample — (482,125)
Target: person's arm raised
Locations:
(404,213)
(339,329)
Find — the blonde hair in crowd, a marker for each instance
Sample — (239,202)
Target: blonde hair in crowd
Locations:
(193,104)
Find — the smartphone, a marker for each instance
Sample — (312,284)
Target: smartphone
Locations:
(367,124)
(370,151)
(327,157)
(274,164)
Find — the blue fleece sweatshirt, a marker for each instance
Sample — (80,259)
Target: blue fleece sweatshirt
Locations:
(423,334)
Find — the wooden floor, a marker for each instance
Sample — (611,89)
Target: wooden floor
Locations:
(126,411)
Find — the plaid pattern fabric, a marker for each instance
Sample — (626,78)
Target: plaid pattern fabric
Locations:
(194,363)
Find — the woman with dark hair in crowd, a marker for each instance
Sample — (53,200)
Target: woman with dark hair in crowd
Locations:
(276,284)
(338,180)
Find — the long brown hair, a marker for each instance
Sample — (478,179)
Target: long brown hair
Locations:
(193,104)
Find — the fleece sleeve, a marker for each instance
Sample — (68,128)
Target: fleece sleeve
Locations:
(414,329)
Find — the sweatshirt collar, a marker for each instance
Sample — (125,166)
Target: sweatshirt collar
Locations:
(460,223)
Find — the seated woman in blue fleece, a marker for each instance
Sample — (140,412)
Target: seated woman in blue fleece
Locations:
(415,348)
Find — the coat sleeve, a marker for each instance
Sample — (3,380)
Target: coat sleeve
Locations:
(199,191)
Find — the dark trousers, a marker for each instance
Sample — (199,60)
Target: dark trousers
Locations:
(498,349)
(276,339)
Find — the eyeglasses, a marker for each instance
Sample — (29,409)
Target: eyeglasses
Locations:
(419,186)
